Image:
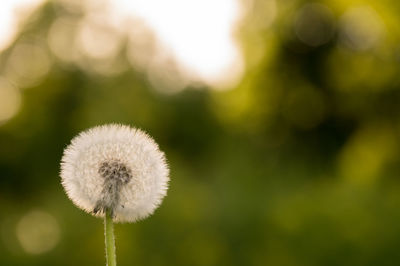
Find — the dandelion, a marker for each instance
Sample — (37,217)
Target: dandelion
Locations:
(115,172)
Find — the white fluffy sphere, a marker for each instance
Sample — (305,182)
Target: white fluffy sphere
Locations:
(115,168)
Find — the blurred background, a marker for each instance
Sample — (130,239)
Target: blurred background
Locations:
(280,121)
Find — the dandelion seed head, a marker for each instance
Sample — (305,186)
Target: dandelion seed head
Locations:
(116,168)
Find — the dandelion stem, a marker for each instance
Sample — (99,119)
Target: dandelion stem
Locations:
(110,239)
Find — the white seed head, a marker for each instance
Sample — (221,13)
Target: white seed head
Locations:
(115,168)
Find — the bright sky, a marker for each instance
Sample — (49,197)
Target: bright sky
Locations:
(199,33)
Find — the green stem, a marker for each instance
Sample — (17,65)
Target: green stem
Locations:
(110,240)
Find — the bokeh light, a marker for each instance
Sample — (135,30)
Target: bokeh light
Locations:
(61,39)
(26,74)
(361,28)
(96,39)
(372,147)
(314,24)
(11,13)
(10,100)
(38,232)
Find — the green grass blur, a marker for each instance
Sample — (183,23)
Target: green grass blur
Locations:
(299,164)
